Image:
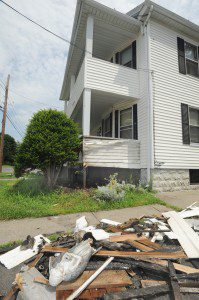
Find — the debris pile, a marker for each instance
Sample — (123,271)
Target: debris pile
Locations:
(145,258)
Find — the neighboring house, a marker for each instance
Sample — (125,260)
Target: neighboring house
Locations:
(134,90)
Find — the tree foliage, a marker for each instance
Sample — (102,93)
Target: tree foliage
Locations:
(51,140)
(9,151)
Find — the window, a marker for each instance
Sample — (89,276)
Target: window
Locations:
(194,125)
(194,176)
(191,56)
(188,58)
(107,126)
(126,57)
(126,128)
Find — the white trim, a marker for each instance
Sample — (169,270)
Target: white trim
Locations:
(86,112)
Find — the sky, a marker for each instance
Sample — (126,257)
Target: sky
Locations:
(36,60)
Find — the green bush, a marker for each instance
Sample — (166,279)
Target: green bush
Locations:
(51,140)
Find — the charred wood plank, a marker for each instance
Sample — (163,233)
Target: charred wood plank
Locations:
(138,293)
(174,281)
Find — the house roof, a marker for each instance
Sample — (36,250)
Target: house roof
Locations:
(167,17)
(129,23)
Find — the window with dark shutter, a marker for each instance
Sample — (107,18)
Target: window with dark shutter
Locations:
(134,55)
(107,126)
(135,122)
(181,55)
(185,124)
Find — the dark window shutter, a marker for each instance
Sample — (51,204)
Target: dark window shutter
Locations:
(111,127)
(103,127)
(181,55)
(117,58)
(116,123)
(135,122)
(185,124)
(134,55)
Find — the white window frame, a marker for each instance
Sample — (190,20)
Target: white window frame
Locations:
(192,60)
(119,121)
(194,108)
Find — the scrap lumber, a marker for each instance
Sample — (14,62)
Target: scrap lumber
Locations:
(36,260)
(11,293)
(77,292)
(108,278)
(174,281)
(150,244)
(147,283)
(187,237)
(123,238)
(138,293)
(41,280)
(51,249)
(178,267)
(158,255)
(138,245)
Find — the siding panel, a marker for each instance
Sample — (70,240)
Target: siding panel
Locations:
(118,153)
(170,90)
(108,77)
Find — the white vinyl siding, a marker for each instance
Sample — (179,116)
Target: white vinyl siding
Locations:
(108,77)
(108,152)
(170,89)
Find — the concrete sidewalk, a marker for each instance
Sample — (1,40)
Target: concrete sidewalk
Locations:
(181,199)
(19,229)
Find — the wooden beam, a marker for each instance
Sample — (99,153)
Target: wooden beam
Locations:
(166,255)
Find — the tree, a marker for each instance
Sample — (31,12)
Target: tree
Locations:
(51,140)
(9,151)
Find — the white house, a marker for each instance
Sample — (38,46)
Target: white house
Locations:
(132,84)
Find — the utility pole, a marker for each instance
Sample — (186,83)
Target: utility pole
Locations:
(4,122)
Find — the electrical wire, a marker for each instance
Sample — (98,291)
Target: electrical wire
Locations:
(42,27)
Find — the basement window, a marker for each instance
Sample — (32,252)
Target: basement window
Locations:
(194,176)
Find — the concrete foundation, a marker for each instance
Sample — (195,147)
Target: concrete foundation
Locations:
(168,180)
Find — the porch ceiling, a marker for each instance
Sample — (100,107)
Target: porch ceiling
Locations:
(112,29)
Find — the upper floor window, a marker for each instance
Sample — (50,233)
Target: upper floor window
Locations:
(127,57)
(191,55)
(188,58)
(126,124)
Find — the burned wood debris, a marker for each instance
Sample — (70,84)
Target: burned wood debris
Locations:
(145,258)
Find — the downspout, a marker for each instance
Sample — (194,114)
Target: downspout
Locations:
(150,148)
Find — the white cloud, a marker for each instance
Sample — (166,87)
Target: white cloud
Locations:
(36,60)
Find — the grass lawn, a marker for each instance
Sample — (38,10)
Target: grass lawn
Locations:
(6,175)
(16,204)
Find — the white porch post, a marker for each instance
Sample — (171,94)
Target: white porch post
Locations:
(86,112)
(89,36)
(87,92)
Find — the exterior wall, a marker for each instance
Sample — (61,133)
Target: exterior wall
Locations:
(108,152)
(170,89)
(165,180)
(108,77)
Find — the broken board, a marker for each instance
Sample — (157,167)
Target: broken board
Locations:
(108,280)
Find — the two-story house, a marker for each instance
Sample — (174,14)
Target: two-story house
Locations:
(132,84)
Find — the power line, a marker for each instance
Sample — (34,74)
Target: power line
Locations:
(14,126)
(47,30)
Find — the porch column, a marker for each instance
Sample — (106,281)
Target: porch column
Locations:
(89,36)
(86,112)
